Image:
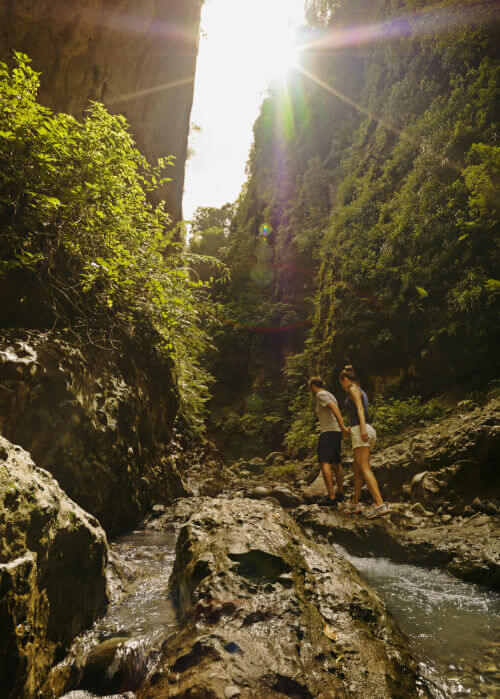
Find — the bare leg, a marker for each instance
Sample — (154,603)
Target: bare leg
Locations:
(363,458)
(326,470)
(339,477)
(358,479)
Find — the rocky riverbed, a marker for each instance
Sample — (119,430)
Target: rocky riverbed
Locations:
(246,591)
(442,486)
(253,607)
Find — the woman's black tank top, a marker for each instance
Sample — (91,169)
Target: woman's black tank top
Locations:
(350,406)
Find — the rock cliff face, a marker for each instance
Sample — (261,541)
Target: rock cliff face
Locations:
(100,422)
(138,58)
(52,572)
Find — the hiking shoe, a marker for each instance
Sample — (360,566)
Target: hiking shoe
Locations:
(340,497)
(352,508)
(379,511)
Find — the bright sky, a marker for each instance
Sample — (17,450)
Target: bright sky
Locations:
(245,44)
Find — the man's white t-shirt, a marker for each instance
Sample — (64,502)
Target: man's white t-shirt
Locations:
(327,420)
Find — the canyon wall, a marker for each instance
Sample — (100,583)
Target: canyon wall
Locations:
(138,58)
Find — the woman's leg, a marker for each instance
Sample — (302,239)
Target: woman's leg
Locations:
(362,455)
(358,479)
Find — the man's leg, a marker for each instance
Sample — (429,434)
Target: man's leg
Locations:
(339,477)
(326,470)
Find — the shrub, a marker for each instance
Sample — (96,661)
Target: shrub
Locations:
(79,232)
(391,415)
(283,472)
(302,435)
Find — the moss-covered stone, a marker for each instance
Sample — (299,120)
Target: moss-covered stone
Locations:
(52,572)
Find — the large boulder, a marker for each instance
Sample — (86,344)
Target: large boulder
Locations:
(100,421)
(52,572)
(458,455)
(266,612)
(466,547)
(316,490)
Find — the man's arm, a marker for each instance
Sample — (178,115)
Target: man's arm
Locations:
(335,410)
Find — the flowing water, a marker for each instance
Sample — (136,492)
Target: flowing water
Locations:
(146,615)
(453,627)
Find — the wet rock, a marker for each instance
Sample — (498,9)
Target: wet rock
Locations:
(418,507)
(446,518)
(287,615)
(466,548)
(52,572)
(115,665)
(286,497)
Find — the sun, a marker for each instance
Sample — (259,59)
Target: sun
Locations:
(276,52)
(281,57)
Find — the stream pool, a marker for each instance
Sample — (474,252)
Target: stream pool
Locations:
(453,627)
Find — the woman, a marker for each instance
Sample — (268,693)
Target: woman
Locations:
(363,440)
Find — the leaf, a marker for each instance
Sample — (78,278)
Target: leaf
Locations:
(493,285)
(422,292)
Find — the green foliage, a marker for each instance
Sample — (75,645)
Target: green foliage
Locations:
(391,416)
(283,472)
(384,229)
(248,428)
(303,432)
(79,232)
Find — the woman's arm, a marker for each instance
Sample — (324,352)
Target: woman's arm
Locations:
(356,397)
(335,410)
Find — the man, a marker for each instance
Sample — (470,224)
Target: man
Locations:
(329,443)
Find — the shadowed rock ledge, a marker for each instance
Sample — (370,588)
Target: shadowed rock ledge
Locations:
(267,612)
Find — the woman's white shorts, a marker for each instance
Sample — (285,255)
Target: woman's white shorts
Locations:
(356,437)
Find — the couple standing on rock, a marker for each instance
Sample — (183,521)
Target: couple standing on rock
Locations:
(363,438)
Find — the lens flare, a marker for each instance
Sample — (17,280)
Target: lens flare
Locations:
(429,21)
(265,231)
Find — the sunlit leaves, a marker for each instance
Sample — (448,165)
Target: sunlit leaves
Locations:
(74,214)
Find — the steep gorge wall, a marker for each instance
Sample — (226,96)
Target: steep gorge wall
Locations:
(370,172)
(138,58)
(100,421)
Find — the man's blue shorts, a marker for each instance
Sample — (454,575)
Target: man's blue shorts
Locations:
(329,445)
